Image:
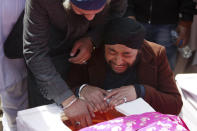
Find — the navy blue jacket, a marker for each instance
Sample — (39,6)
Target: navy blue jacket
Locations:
(161,11)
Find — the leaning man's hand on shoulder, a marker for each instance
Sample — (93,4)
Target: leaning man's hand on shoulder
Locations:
(81,51)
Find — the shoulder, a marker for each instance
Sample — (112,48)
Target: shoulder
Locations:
(97,56)
(118,3)
(151,48)
(36,3)
(152,52)
(45,3)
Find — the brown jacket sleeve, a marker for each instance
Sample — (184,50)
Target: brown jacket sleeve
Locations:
(165,97)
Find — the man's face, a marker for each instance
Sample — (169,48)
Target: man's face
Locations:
(88,14)
(120,57)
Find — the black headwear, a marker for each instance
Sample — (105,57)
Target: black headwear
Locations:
(125,31)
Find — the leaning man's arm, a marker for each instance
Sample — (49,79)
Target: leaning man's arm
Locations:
(36,25)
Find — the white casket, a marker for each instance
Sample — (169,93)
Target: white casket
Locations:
(48,117)
(187,85)
(43,118)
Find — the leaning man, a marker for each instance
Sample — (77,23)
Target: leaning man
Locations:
(57,32)
(130,67)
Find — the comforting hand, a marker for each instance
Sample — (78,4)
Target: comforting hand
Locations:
(95,96)
(79,113)
(121,95)
(85,47)
(184,34)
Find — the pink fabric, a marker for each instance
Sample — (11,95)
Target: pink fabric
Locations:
(152,121)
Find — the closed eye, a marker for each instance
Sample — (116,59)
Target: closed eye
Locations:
(112,51)
(127,54)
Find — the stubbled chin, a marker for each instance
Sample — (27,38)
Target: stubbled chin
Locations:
(119,70)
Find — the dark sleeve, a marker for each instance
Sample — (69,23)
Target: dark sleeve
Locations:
(117,8)
(164,98)
(13,46)
(130,8)
(187,10)
(77,76)
(36,31)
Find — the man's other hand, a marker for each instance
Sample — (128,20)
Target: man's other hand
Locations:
(81,51)
(95,96)
(121,95)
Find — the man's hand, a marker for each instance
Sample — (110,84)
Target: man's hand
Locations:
(132,17)
(85,47)
(121,95)
(184,34)
(79,113)
(95,96)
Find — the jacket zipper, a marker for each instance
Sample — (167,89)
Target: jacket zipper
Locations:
(151,8)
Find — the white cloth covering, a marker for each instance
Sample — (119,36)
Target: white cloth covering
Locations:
(43,118)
